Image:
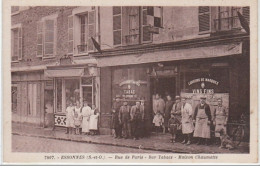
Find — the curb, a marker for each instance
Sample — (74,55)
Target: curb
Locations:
(100,143)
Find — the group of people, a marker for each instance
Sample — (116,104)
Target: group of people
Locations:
(81,119)
(127,121)
(181,121)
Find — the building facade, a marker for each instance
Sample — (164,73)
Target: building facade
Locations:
(187,51)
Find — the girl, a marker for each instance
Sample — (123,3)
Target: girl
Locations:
(77,118)
(158,121)
(93,122)
(70,118)
(86,110)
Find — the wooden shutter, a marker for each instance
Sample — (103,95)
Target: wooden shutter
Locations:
(146,35)
(204,19)
(246,13)
(20,44)
(49,38)
(70,35)
(40,39)
(117,25)
(134,33)
(91,29)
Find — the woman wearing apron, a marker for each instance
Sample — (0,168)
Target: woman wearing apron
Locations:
(220,119)
(86,111)
(78,110)
(70,118)
(187,123)
(202,116)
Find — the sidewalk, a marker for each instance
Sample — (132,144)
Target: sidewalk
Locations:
(158,142)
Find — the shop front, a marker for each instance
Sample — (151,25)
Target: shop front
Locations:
(210,75)
(71,84)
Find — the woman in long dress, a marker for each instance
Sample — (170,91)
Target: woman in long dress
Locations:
(78,109)
(93,122)
(86,111)
(70,118)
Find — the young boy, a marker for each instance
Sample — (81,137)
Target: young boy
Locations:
(77,122)
(158,121)
(173,125)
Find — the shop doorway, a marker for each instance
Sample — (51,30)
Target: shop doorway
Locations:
(163,86)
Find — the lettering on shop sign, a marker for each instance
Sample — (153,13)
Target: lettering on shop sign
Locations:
(203,82)
(128,82)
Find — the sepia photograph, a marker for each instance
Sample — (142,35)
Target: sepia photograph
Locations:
(137,82)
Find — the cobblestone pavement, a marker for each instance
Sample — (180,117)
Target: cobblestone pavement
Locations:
(36,144)
(156,142)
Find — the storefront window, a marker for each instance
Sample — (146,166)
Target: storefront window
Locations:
(59,94)
(14,99)
(72,91)
(87,90)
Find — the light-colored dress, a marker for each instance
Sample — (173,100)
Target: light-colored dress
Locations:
(186,115)
(85,121)
(93,122)
(70,116)
(158,120)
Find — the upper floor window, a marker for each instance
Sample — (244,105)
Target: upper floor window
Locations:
(81,27)
(135,25)
(220,18)
(46,37)
(16,43)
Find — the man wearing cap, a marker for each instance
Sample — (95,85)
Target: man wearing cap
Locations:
(202,116)
(137,117)
(168,108)
(220,118)
(124,117)
(117,125)
(187,123)
(176,111)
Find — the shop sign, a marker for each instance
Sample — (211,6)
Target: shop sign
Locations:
(203,84)
(128,82)
(129,88)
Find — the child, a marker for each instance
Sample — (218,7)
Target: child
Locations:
(93,121)
(86,110)
(70,118)
(77,122)
(158,121)
(173,125)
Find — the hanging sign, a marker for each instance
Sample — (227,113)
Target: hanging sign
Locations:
(203,85)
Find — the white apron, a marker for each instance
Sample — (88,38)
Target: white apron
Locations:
(85,121)
(93,121)
(202,129)
(187,124)
(220,120)
(77,111)
(70,117)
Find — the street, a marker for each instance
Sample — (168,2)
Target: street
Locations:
(36,144)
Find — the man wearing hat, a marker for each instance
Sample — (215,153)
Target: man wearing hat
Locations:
(176,111)
(117,125)
(202,116)
(187,123)
(220,118)
(168,108)
(124,117)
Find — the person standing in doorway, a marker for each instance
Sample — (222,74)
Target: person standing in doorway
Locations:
(70,118)
(168,108)
(86,111)
(187,123)
(124,117)
(93,121)
(176,111)
(137,115)
(78,110)
(202,116)
(117,124)
(159,104)
(220,119)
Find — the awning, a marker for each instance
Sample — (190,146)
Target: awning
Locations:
(172,55)
(64,72)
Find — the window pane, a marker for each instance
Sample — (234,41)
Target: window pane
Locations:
(91,17)
(146,34)
(48,49)
(14,99)
(72,91)
(117,37)
(87,94)
(145,17)
(116,10)
(86,81)
(116,22)
(49,25)
(49,36)
(39,38)
(59,95)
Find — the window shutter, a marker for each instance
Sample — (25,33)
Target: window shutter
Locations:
(20,44)
(70,35)
(147,13)
(246,13)
(204,19)
(117,25)
(91,29)
(40,39)
(49,37)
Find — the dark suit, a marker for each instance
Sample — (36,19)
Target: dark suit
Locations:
(137,117)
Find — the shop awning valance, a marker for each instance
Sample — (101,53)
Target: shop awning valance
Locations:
(172,55)
(64,72)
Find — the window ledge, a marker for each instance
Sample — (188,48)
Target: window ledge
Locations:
(15,61)
(15,13)
(47,58)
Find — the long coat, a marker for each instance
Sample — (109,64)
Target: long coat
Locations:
(168,108)
(187,122)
